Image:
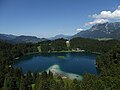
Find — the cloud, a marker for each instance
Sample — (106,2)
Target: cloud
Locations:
(105,16)
(108,14)
(79,29)
(97,21)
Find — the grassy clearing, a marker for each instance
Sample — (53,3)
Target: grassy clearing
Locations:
(33,86)
(39,48)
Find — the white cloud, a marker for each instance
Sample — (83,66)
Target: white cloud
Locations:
(105,16)
(79,29)
(97,21)
(108,14)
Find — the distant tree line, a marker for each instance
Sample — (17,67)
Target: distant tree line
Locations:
(55,45)
(89,45)
(93,45)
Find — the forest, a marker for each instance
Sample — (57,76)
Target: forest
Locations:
(108,63)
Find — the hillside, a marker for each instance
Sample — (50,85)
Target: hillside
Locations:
(60,36)
(105,30)
(20,39)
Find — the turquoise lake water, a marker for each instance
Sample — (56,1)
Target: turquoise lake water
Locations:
(75,63)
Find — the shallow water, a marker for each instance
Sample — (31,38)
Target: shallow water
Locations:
(57,71)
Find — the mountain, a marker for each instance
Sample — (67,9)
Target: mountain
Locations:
(105,30)
(60,36)
(98,31)
(7,37)
(28,39)
(21,39)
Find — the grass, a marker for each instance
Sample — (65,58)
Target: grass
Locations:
(61,57)
(39,48)
(33,86)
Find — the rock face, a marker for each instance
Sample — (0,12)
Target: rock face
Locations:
(105,30)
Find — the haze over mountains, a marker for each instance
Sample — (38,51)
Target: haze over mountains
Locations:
(105,30)
(20,39)
(60,36)
(97,31)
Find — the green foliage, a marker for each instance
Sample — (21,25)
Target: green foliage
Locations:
(10,84)
(45,47)
(59,45)
(92,45)
(35,75)
(56,45)
(29,78)
(50,75)
(11,78)
(108,63)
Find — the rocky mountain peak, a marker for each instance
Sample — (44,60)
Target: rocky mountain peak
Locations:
(105,30)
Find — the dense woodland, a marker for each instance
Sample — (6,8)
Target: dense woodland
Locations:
(108,64)
(89,45)
(55,45)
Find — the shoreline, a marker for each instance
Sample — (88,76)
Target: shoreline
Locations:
(57,52)
(64,75)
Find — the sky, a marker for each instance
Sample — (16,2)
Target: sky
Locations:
(47,18)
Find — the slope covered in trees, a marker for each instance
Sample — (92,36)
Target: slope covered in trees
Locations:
(108,63)
(93,45)
(89,45)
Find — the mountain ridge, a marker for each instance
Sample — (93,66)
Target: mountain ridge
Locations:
(21,39)
(105,30)
(97,31)
(60,36)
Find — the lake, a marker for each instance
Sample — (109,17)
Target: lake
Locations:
(70,64)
